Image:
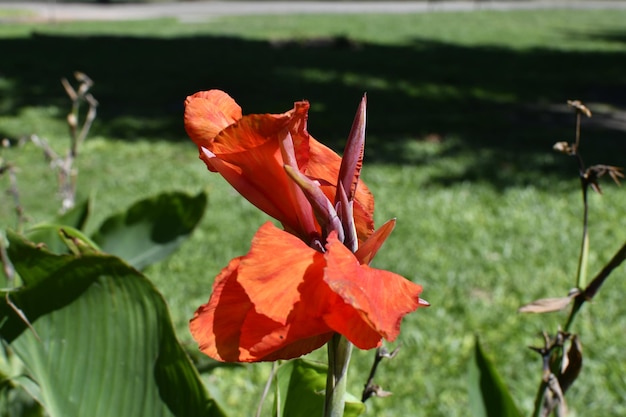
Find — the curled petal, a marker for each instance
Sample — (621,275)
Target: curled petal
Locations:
(207,113)
(380,298)
(301,139)
(216,326)
(250,153)
(245,186)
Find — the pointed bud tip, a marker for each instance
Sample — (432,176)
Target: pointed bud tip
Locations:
(206,152)
(423,303)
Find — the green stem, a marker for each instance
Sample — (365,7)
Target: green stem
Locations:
(578,302)
(339,351)
(539,399)
(581,274)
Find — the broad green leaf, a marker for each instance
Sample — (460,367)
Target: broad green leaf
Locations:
(488,395)
(151,229)
(101,343)
(300,391)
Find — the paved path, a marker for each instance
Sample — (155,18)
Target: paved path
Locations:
(51,10)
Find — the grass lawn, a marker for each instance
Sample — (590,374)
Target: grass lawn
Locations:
(463,111)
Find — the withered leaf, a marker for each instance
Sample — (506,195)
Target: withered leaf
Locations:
(596,171)
(548,305)
(572,364)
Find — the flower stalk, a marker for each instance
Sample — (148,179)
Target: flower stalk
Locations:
(339,352)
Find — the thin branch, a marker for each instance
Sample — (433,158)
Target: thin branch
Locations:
(15,193)
(372,389)
(597,282)
(48,152)
(91,116)
(21,314)
(7,266)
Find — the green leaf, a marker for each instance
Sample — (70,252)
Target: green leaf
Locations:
(300,391)
(73,222)
(151,229)
(102,343)
(16,401)
(19,395)
(488,395)
(58,237)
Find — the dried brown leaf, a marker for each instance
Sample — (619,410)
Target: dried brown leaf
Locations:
(593,173)
(548,305)
(572,364)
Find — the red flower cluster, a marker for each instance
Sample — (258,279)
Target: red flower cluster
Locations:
(296,287)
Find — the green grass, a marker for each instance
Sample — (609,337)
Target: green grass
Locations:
(461,121)
(14,13)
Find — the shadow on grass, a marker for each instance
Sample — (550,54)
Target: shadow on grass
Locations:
(505,108)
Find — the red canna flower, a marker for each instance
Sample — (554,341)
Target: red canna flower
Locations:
(296,288)
(284,299)
(250,152)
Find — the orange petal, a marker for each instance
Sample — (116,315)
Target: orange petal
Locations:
(297,127)
(298,348)
(249,132)
(275,270)
(216,326)
(345,320)
(283,279)
(249,153)
(245,185)
(259,176)
(370,247)
(207,113)
(380,298)
(266,305)
(264,339)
